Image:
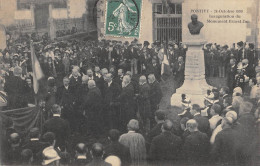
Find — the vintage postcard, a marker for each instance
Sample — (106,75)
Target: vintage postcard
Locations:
(130,82)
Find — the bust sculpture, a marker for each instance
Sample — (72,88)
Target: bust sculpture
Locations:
(195,25)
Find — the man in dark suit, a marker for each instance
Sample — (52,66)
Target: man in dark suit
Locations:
(102,54)
(157,129)
(82,90)
(97,153)
(165,148)
(143,102)
(104,72)
(249,71)
(65,97)
(224,93)
(252,59)
(13,152)
(170,53)
(240,53)
(75,78)
(58,126)
(119,78)
(117,149)
(196,146)
(178,71)
(93,108)
(155,95)
(154,68)
(126,99)
(99,79)
(17,90)
(126,57)
(203,122)
(245,133)
(81,155)
(231,73)
(81,94)
(224,148)
(111,92)
(35,145)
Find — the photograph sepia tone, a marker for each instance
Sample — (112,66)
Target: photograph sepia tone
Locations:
(130,82)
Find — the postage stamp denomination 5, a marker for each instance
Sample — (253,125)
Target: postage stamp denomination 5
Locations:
(123,18)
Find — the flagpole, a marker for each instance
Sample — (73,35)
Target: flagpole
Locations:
(37,75)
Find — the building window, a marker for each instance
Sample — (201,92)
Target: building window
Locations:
(167,23)
(60,4)
(22,5)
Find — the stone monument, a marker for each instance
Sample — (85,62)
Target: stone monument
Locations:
(195,85)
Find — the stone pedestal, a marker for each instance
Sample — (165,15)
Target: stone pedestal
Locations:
(195,85)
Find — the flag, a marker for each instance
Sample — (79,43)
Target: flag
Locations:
(37,71)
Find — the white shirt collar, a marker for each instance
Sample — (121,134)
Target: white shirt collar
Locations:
(109,83)
(34,139)
(81,157)
(131,131)
(98,75)
(197,114)
(225,95)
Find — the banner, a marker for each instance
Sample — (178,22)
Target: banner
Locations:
(23,118)
(123,18)
(37,71)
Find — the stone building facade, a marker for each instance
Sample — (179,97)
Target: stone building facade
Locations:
(47,15)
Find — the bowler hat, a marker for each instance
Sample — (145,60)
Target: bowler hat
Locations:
(146,43)
(251,46)
(240,43)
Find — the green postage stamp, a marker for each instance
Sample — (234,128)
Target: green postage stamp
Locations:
(123,18)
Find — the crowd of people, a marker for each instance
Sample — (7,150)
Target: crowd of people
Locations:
(98,88)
